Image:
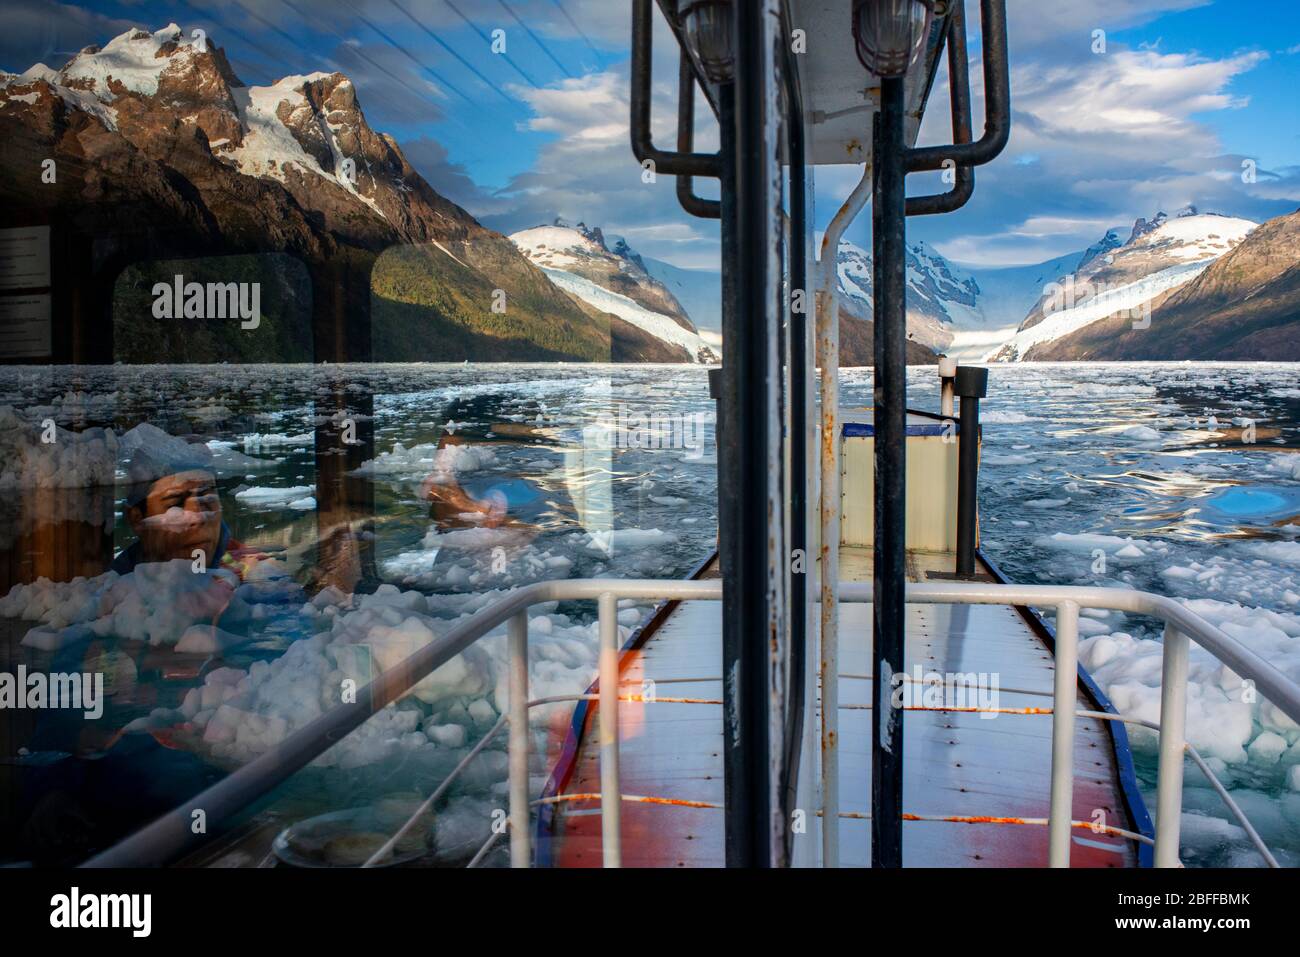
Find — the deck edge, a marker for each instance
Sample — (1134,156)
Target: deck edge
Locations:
(567,760)
(1127,773)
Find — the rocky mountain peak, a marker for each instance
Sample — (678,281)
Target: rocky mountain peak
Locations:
(1100,248)
(623,251)
(1141,227)
(582,251)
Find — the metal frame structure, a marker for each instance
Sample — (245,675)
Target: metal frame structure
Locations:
(892,161)
(763,401)
(171,836)
(764,636)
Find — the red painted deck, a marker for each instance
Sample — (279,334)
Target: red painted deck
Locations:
(957,764)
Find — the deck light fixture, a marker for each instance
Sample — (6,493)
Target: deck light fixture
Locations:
(889,34)
(707,27)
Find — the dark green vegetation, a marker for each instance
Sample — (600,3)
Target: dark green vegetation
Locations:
(428,305)
(283,333)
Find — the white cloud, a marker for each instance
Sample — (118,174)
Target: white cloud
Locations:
(588,172)
(1033,22)
(1098,140)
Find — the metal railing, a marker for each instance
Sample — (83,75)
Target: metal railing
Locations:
(170,836)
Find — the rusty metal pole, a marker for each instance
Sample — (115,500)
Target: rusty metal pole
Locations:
(890,423)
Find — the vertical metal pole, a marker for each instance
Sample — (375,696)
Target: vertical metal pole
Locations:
(611,799)
(749,453)
(967,484)
(1173,718)
(520,843)
(733,487)
(971,384)
(947,372)
(1065,694)
(798,366)
(828,357)
(807,848)
(890,421)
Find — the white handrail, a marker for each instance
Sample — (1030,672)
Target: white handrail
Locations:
(170,835)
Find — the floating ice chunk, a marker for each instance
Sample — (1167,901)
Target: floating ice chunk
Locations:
(265,569)
(1004,417)
(207,639)
(1288,465)
(265,496)
(627,539)
(156,603)
(256,442)
(390,637)
(1285,553)
(474,538)
(72,460)
(168,451)
(482,712)
(1223,720)
(391,595)
(445,735)
(421,461)
(56,603)
(1141,433)
(1267,748)
(1088,627)
(1087,542)
(46,638)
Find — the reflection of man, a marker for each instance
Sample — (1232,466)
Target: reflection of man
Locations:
(173,515)
(97,783)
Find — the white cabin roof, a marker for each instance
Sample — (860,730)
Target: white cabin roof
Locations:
(832,81)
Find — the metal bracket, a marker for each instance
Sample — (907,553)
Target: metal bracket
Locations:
(695,205)
(997,100)
(959,98)
(669,163)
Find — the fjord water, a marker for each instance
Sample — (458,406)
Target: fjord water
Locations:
(1179,478)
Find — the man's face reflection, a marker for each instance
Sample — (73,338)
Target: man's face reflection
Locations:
(181,513)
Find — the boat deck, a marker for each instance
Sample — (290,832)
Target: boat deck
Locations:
(956,764)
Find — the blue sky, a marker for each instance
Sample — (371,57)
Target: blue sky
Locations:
(1183,93)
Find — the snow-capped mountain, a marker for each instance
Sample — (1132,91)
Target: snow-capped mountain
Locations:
(1245,304)
(1160,255)
(941,297)
(161,151)
(1007,313)
(612,278)
(698,290)
(961,311)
